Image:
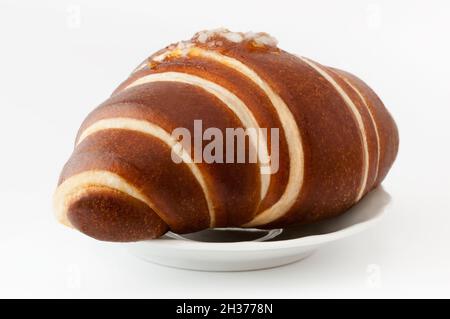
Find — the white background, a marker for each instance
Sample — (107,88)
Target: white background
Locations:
(60,59)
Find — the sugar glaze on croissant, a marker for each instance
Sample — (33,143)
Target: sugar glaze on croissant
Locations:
(336,142)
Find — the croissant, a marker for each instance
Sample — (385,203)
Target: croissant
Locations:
(131,178)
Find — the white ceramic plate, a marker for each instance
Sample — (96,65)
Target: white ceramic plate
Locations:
(238,250)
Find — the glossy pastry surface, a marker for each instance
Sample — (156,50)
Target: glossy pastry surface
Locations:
(335,142)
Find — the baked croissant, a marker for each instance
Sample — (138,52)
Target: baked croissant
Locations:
(124,182)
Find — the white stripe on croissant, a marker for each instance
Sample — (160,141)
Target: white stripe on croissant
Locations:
(231,101)
(363,99)
(77,185)
(158,132)
(358,118)
(291,132)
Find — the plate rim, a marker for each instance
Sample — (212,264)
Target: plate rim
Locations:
(310,240)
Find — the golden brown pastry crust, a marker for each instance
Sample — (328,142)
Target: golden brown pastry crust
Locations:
(337,142)
(110,215)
